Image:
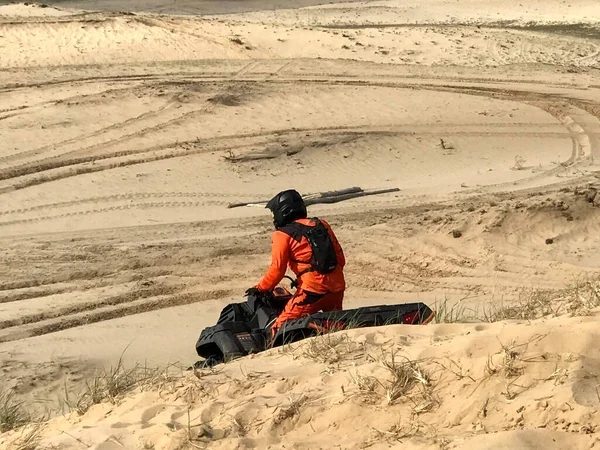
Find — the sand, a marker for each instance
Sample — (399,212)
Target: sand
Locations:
(124,137)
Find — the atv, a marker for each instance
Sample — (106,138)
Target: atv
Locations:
(245,328)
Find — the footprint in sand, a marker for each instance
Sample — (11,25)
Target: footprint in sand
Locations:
(110,445)
(211,412)
(285,386)
(151,413)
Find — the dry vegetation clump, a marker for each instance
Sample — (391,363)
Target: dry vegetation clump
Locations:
(111,384)
(395,433)
(13,415)
(453,313)
(29,438)
(578,299)
(12,412)
(404,378)
(291,410)
(510,363)
(329,348)
(192,389)
(507,362)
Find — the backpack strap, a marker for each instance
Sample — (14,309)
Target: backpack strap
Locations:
(294,230)
(300,228)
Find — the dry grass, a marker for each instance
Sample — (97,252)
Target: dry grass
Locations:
(405,377)
(366,384)
(29,439)
(328,348)
(510,363)
(395,433)
(199,387)
(453,313)
(331,347)
(13,415)
(532,304)
(558,376)
(291,410)
(510,360)
(577,299)
(455,368)
(111,384)
(12,412)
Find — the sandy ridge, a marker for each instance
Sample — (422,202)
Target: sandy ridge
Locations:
(125,136)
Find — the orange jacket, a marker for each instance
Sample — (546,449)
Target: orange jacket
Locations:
(289,246)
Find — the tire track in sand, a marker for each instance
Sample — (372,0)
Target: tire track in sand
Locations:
(52,325)
(124,197)
(80,140)
(88,313)
(38,168)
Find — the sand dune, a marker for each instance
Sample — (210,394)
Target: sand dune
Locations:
(102,39)
(19,11)
(125,136)
(470,386)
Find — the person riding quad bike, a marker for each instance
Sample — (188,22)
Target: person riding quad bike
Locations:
(272,316)
(309,247)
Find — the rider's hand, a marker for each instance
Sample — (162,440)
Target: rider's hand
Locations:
(254,291)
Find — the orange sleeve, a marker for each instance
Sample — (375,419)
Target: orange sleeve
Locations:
(339,253)
(280,256)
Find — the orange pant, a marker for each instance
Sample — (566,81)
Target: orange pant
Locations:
(305,303)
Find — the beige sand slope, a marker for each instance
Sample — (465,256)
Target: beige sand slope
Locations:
(442,386)
(125,136)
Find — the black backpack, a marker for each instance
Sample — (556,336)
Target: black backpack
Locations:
(323,259)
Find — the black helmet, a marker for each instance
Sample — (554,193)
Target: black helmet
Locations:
(286,207)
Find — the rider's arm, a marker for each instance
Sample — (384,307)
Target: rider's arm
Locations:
(280,256)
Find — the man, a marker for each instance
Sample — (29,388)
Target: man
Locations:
(311,250)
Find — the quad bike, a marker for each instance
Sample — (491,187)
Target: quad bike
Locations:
(244,328)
